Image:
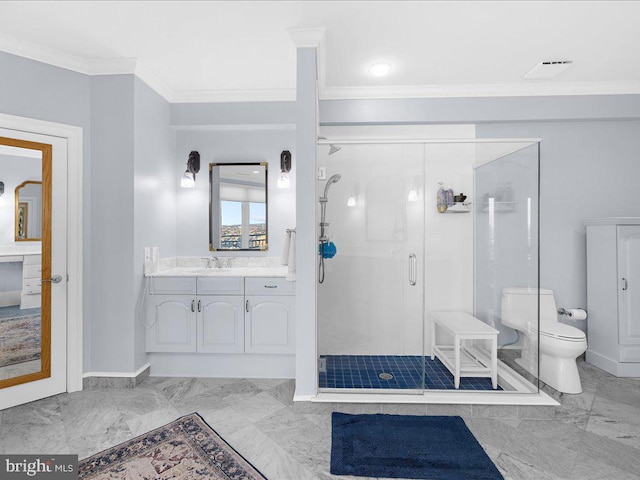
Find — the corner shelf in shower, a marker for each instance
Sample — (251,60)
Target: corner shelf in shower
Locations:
(458,208)
(501,207)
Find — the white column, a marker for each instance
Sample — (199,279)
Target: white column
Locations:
(307,41)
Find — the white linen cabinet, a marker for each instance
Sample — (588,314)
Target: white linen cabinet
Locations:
(613,295)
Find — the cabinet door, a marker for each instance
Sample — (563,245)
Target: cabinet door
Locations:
(220,324)
(629,286)
(269,324)
(171,321)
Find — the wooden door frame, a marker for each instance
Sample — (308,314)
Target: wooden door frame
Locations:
(73,135)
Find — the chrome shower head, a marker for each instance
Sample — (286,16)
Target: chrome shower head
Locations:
(332,179)
(333,149)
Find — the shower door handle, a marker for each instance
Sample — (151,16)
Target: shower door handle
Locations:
(413,269)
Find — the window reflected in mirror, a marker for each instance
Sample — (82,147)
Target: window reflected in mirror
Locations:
(238,206)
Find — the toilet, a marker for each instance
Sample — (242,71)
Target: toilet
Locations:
(560,344)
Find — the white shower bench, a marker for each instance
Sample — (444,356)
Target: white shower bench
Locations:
(459,359)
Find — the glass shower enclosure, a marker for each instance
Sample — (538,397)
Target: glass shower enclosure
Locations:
(371,325)
(388,259)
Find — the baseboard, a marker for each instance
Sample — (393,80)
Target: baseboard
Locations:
(222,365)
(115,379)
(619,369)
(9,299)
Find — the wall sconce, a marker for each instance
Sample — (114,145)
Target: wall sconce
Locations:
(193,167)
(285,168)
(1,193)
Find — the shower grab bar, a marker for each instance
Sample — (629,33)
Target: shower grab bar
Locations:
(413,269)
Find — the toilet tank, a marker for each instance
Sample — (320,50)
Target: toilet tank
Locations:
(520,307)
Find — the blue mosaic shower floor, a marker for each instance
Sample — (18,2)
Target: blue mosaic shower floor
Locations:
(362,371)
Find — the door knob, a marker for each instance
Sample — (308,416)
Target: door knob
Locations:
(54,279)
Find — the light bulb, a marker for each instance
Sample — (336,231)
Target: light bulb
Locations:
(188,180)
(413,195)
(351,201)
(283,180)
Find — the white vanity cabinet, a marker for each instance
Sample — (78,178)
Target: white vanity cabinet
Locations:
(613,295)
(171,315)
(220,319)
(172,320)
(220,315)
(186,314)
(31,296)
(269,315)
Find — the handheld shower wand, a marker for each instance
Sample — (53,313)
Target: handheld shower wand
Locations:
(323,212)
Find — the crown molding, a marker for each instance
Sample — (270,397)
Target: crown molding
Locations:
(481,90)
(306,37)
(223,96)
(303,37)
(51,56)
(154,82)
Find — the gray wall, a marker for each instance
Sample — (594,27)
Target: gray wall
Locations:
(223,146)
(134,205)
(233,113)
(37,90)
(112,200)
(478,110)
(588,170)
(154,184)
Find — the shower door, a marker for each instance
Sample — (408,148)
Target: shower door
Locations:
(370,305)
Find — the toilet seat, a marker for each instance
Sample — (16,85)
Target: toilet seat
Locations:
(562,331)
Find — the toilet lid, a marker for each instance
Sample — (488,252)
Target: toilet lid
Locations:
(562,331)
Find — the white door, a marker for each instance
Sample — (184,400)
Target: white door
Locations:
(628,284)
(22,149)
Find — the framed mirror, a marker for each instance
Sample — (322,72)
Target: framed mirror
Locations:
(238,206)
(28,205)
(25,309)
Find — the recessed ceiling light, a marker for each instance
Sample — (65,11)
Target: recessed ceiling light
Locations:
(379,69)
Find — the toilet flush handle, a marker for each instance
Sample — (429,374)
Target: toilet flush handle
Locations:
(624,284)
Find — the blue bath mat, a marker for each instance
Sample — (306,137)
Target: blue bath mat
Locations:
(402,446)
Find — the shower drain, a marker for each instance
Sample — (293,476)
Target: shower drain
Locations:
(385,376)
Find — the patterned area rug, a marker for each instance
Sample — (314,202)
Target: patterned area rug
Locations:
(19,339)
(187,448)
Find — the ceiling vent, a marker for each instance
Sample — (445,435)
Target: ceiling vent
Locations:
(548,69)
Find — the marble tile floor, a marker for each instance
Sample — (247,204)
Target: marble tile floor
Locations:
(591,436)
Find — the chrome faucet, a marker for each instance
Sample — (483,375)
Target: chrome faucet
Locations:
(213,260)
(225,262)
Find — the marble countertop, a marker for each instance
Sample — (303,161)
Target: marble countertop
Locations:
(17,250)
(221,272)
(199,267)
